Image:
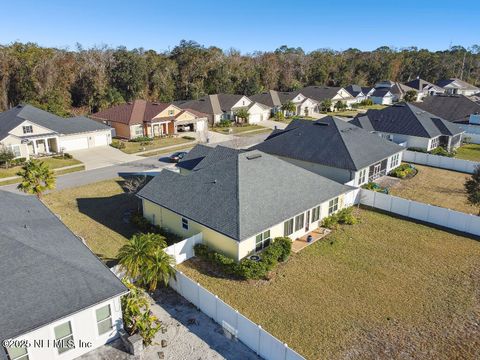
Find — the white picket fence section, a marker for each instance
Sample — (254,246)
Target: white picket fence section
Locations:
(443,162)
(452,219)
(263,343)
(183,250)
(352,197)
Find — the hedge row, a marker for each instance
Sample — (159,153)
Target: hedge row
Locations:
(145,226)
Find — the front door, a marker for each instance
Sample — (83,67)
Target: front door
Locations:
(307,221)
(376,170)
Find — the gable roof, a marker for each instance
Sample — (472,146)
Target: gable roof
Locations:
(367,89)
(194,156)
(319,93)
(329,141)
(420,84)
(381,92)
(273,98)
(354,90)
(131,113)
(454,108)
(406,119)
(237,197)
(47,272)
(211,104)
(456,84)
(12,118)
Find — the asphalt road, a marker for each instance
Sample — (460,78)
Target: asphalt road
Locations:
(146,164)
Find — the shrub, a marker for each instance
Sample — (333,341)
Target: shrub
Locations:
(440,151)
(286,245)
(249,269)
(417,149)
(145,226)
(63,156)
(402,171)
(330,222)
(201,250)
(224,123)
(142,139)
(366,102)
(18,161)
(345,216)
(271,255)
(117,144)
(188,137)
(279,116)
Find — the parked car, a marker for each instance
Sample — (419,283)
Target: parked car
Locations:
(177,156)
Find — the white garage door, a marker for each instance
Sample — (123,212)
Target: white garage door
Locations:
(101,140)
(254,118)
(74,144)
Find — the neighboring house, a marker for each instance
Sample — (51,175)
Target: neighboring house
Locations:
(412,126)
(357,92)
(368,90)
(454,108)
(53,287)
(275,99)
(321,93)
(145,118)
(335,149)
(381,96)
(29,131)
(455,86)
(220,107)
(424,88)
(397,90)
(241,201)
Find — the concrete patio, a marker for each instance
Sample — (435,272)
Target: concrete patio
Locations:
(316,234)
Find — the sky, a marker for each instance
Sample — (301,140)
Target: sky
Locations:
(246,25)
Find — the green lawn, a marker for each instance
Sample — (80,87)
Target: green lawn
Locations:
(132,147)
(236,129)
(384,288)
(469,152)
(51,162)
(354,112)
(95,212)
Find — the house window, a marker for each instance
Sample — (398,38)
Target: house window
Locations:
(104,319)
(27,129)
(316,213)
(64,336)
(262,240)
(17,353)
(138,131)
(332,206)
(362,176)
(16,150)
(299,221)
(434,143)
(185,223)
(288,227)
(395,161)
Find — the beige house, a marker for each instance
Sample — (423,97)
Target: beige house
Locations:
(28,131)
(231,199)
(304,106)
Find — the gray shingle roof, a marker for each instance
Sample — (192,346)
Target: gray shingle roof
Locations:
(331,142)
(319,93)
(47,272)
(194,156)
(10,119)
(354,90)
(454,108)
(243,194)
(456,83)
(406,119)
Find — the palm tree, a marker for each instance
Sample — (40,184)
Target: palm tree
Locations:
(36,178)
(289,108)
(159,269)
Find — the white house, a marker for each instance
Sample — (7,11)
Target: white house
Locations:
(424,88)
(321,93)
(29,131)
(59,301)
(456,86)
(382,97)
(273,99)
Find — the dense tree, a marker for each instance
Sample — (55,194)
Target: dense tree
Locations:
(84,80)
(410,96)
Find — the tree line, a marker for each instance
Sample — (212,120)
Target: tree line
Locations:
(67,81)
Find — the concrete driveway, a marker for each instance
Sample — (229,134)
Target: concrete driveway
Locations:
(273,124)
(102,156)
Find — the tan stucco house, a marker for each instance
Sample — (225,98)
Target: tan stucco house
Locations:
(241,200)
(152,119)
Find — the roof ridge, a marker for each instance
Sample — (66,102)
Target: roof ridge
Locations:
(344,143)
(237,189)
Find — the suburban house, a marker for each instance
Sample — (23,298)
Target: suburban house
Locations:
(54,288)
(356,92)
(224,107)
(242,202)
(334,148)
(424,88)
(152,119)
(275,99)
(454,108)
(411,126)
(397,89)
(28,131)
(368,90)
(321,93)
(381,96)
(455,86)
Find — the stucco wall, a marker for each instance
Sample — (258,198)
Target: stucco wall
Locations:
(84,328)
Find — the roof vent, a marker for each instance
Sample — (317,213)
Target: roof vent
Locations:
(254,156)
(321,123)
(214,181)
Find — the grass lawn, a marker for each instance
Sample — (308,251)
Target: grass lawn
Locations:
(385,288)
(469,152)
(256,132)
(51,162)
(95,212)
(354,112)
(132,147)
(237,129)
(436,187)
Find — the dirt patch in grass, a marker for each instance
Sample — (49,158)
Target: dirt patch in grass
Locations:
(436,187)
(383,288)
(96,212)
(469,152)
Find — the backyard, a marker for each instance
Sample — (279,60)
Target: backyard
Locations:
(132,147)
(434,186)
(383,288)
(96,212)
(469,152)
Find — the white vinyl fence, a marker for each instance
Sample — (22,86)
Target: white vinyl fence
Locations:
(472,132)
(443,162)
(183,250)
(416,210)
